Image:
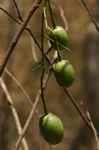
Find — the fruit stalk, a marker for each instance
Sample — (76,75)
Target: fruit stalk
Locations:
(43,65)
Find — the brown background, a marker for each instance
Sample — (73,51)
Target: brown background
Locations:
(83,41)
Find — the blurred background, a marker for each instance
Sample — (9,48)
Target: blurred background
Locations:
(84,44)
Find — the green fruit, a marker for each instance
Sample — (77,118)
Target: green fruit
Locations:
(58,38)
(64,73)
(51,128)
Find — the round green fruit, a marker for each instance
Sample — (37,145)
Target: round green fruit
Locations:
(51,128)
(58,38)
(64,73)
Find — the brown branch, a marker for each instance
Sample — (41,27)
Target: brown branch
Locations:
(14,112)
(18,11)
(17,145)
(29,31)
(11,16)
(32,41)
(85,118)
(18,34)
(45,80)
(90,13)
(20,23)
(22,89)
(93,128)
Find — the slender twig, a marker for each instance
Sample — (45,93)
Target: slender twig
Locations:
(43,64)
(32,37)
(90,13)
(11,16)
(51,14)
(14,112)
(21,88)
(32,112)
(20,23)
(18,11)
(39,63)
(94,129)
(18,35)
(30,32)
(42,92)
(79,110)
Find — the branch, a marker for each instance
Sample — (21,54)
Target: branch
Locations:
(18,11)
(93,128)
(31,112)
(90,13)
(11,16)
(32,41)
(18,34)
(45,80)
(30,32)
(22,89)
(20,23)
(86,120)
(14,113)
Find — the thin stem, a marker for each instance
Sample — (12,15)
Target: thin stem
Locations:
(94,130)
(39,63)
(27,123)
(14,112)
(42,93)
(20,87)
(51,13)
(78,109)
(90,13)
(20,23)
(32,38)
(18,35)
(30,32)
(58,50)
(42,76)
(11,16)
(18,11)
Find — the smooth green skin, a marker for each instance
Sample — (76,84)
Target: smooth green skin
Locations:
(64,73)
(58,35)
(51,128)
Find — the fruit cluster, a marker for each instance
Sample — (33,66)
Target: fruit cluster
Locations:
(63,70)
(51,126)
